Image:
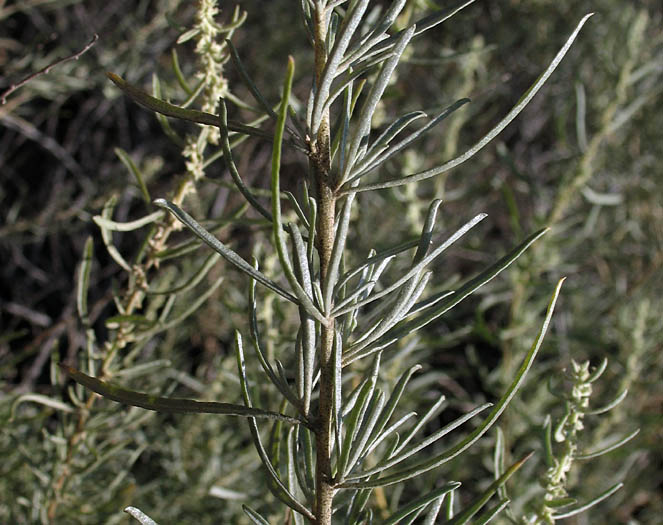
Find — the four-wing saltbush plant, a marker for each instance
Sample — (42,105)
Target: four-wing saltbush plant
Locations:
(333,442)
(562,447)
(161,290)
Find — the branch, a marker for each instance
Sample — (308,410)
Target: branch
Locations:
(47,69)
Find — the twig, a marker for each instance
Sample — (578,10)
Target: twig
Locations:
(47,69)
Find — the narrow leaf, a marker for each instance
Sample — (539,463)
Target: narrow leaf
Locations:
(609,448)
(350,24)
(127,226)
(338,248)
(372,99)
(421,502)
(520,105)
(140,516)
(436,461)
(107,236)
(609,406)
(284,388)
(487,516)
(547,442)
(359,446)
(50,402)
(237,62)
(232,168)
(175,62)
(303,299)
(420,26)
(222,249)
(427,316)
(368,165)
(431,517)
(254,516)
(598,372)
(388,431)
(377,34)
(292,475)
(276,486)
(377,257)
(84,280)
(164,108)
(133,169)
(416,268)
(196,277)
(395,397)
(598,499)
(401,455)
(356,417)
(167,404)
(477,504)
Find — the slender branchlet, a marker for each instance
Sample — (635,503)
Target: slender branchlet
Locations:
(211,56)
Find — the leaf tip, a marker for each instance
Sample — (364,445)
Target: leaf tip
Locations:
(584,19)
(117,79)
(558,287)
(68,370)
(525,458)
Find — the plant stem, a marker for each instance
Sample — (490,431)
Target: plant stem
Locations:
(320,166)
(323,475)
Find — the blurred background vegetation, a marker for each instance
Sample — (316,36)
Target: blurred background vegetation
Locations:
(583,158)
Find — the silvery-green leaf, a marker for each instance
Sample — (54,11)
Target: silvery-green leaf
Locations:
(41,399)
(439,308)
(275,484)
(520,105)
(140,516)
(427,464)
(421,502)
(608,448)
(582,508)
(481,500)
(222,249)
(256,518)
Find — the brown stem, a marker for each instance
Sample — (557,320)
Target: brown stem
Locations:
(133,302)
(323,475)
(47,69)
(73,440)
(325,231)
(325,195)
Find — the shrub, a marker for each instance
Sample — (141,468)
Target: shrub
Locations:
(332,440)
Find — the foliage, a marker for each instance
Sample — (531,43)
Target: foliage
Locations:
(332,306)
